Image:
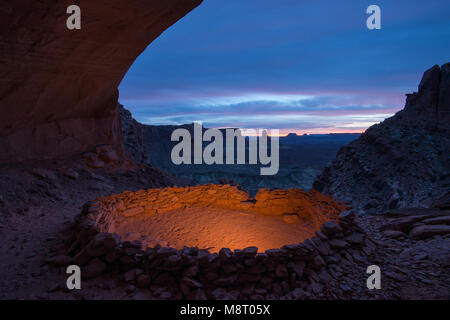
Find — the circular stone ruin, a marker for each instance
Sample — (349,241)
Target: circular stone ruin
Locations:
(176,242)
(214,217)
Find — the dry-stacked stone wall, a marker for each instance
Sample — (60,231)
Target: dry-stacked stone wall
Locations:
(310,207)
(325,266)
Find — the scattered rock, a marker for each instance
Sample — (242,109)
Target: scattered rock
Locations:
(355,238)
(71,173)
(60,260)
(442,203)
(165,295)
(143,281)
(394,234)
(45,174)
(338,244)
(330,228)
(426,231)
(93,269)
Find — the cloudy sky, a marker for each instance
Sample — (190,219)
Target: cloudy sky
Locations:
(295,65)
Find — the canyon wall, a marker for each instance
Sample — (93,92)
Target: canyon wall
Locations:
(403,161)
(58,88)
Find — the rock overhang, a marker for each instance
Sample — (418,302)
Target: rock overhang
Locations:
(59,91)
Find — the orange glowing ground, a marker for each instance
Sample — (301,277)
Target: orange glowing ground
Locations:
(215,216)
(216,228)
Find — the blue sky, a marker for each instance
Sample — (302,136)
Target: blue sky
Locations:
(295,65)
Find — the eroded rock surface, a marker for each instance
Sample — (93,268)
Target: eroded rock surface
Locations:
(402,162)
(58,94)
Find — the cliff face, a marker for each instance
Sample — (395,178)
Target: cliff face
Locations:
(58,88)
(133,136)
(402,162)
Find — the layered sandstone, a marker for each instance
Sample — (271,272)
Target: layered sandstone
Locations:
(58,88)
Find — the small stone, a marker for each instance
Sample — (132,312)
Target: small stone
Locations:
(99,186)
(98,177)
(325,277)
(143,281)
(109,156)
(165,295)
(330,228)
(299,268)
(112,284)
(95,164)
(219,293)
(94,268)
(426,231)
(323,247)
(192,283)
(393,234)
(292,247)
(60,260)
(281,271)
(395,276)
(166,251)
(198,294)
(316,287)
(229,268)
(346,288)
(141,295)
(298,294)
(173,260)
(318,262)
(225,281)
(225,253)
(321,235)
(191,271)
(257,269)
(70,173)
(347,215)
(130,275)
(78,295)
(355,238)
(45,174)
(130,289)
(42,296)
(437,220)
(250,251)
(274,252)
